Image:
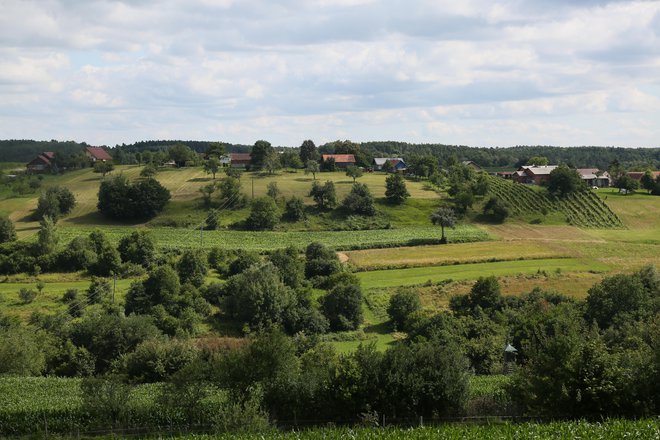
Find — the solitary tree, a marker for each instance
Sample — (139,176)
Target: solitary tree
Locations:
(272,162)
(308,151)
(445,217)
(212,166)
(312,166)
(564,180)
(395,189)
(103,168)
(354,172)
(324,195)
(264,214)
(260,151)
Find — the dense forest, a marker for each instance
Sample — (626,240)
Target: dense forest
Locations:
(510,157)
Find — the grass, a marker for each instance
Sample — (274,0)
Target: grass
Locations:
(402,257)
(434,274)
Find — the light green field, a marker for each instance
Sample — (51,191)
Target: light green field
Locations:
(268,240)
(434,274)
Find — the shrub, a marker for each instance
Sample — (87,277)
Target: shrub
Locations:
(264,214)
(395,189)
(122,200)
(138,248)
(7,230)
(359,200)
(324,195)
(55,202)
(27,295)
(193,267)
(402,304)
(98,290)
(294,209)
(343,307)
(155,360)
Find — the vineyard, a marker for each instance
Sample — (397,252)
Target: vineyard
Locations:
(583,209)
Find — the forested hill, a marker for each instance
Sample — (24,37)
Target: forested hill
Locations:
(509,157)
(24,150)
(597,157)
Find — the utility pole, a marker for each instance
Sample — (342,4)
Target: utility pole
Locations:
(252,187)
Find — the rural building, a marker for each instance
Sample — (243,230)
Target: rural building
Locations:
(505,174)
(97,153)
(472,165)
(398,164)
(43,163)
(341,160)
(594,177)
(637,175)
(240,160)
(225,160)
(533,175)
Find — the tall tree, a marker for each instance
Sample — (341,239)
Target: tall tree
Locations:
(180,154)
(215,149)
(260,151)
(7,230)
(308,151)
(354,172)
(564,180)
(212,166)
(312,166)
(395,189)
(446,218)
(647,181)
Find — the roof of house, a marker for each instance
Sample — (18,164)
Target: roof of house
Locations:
(339,158)
(504,173)
(637,175)
(48,154)
(470,162)
(98,153)
(538,171)
(380,161)
(240,157)
(44,157)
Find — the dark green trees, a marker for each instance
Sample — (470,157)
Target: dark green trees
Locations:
(324,195)
(395,189)
(263,215)
(55,202)
(260,152)
(308,151)
(359,200)
(7,230)
(122,200)
(564,180)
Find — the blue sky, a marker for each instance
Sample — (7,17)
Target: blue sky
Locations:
(479,73)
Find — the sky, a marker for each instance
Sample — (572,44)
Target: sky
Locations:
(470,72)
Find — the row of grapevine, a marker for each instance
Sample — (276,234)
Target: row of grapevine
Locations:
(582,209)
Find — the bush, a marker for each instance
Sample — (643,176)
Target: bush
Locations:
(294,209)
(27,295)
(264,214)
(402,304)
(7,230)
(119,199)
(243,261)
(138,248)
(98,290)
(395,189)
(22,351)
(55,202)
(359,200)
(496,209)
(324,195)
(343,307)
(193,267)
(230,192)
(320,261)
(156,360)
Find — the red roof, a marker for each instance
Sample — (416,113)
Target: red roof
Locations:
(98,153)
(48,154)
(240,157)
(44,158)
(339,158)
(637,175)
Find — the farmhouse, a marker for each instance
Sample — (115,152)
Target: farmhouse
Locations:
(240,160)
(593,177)
(397,163)
(42,163)
(341,160)
(472,165)
(505,174)
(97,153)
(533,175)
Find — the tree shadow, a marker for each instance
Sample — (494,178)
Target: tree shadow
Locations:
(200,179)
(95,218)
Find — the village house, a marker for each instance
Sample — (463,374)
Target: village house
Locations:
(341,160)
(43,163)
(593,177)
(97,154)
(505,174)
(533,175)
(240,160)
(472,165)
(637,175)
(398,164)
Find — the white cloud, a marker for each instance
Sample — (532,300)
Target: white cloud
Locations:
(471,72)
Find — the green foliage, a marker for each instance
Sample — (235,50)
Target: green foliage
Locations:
(7,230)
(564,181)
(463,201)
(324,195)
(312,167)
(359,200)
(180,154)
(354,172)
(156,360)
(215,149)
(616,298)
(47,237)
(294,209)
(308,151)
(264,214)
(138,248)
(343,307)
(243,261)
(230,193)
(103,167)
(27,295)
(290,159)
(193,267)
(395,189)
(290,266)
(261,151)
(21,351)
(119,199)
(273,191)
(496,209)
(422,165)
(272,162)
(211,223)
(149,171)
(55,202)
(627,183)
(257,297)
(212,166)
(98,291)
(446,218)
(320,261)
(108,260)
(402,305)
(537,161)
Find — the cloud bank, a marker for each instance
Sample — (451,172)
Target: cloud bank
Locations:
(481,73)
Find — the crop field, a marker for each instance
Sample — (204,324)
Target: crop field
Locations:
(268,240)
(583,209)
(403,257)
(434,274)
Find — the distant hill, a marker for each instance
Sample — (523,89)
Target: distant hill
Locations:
(24,150)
